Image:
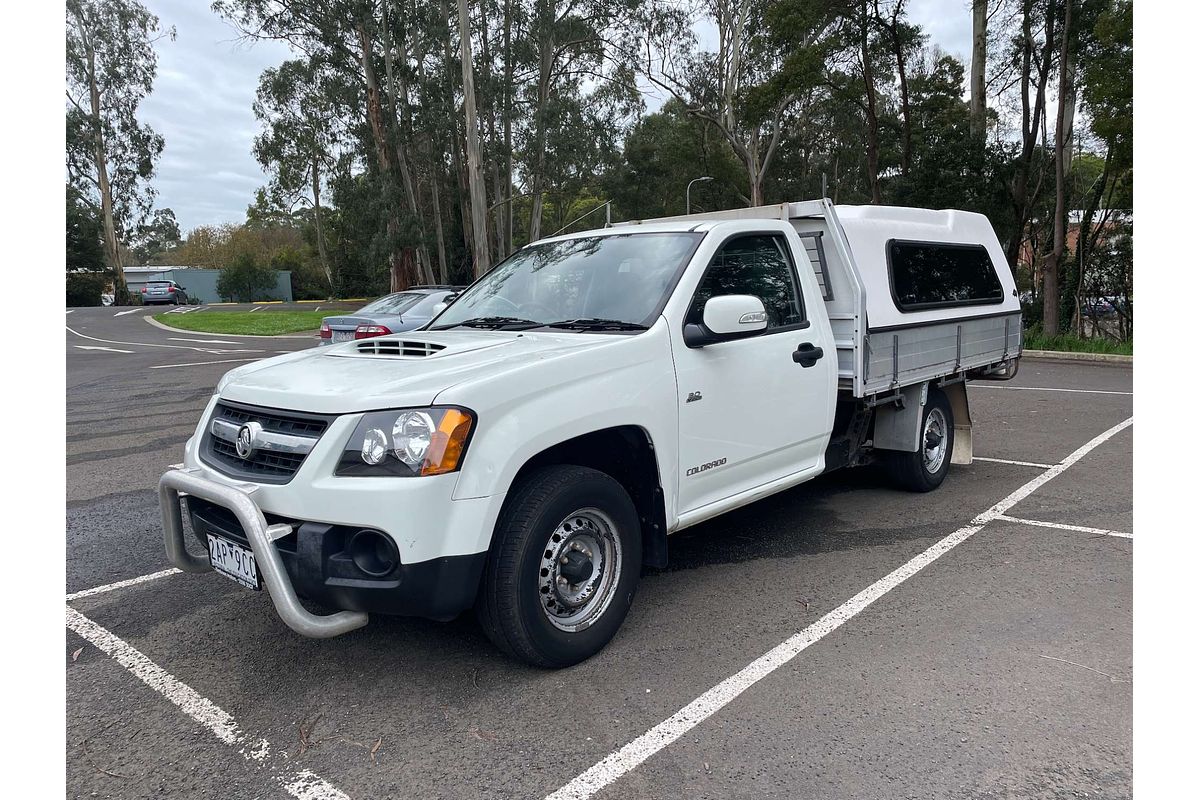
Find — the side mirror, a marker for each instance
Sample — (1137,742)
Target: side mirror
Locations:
(726,317)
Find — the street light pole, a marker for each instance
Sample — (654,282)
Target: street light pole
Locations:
(688,194)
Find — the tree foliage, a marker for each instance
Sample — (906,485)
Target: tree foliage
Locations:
(110,66)
(411,141)
(246,279)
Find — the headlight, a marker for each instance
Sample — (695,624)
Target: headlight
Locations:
(407,443)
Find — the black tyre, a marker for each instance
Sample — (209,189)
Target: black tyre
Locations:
(565,561)
(924,470)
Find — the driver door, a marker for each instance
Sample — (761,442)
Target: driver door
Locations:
(749,412)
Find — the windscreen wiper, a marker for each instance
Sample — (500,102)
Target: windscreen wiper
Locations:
(597,324)
(495,323)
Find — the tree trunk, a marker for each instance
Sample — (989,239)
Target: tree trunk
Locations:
(545,68)
(318,223)
(401,269)
(1050,291)
(1030,121)
(112,242)
(508,148)
(401,127)
(979,22)
(482,256)
(1084,242)
(871,115)
(435,179)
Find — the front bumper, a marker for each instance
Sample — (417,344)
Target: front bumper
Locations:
(302,559)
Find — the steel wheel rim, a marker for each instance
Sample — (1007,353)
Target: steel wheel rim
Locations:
(935,440)
(579,570)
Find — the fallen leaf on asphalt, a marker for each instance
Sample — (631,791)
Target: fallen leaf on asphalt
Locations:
(482,734)
(75,655)
(375,749)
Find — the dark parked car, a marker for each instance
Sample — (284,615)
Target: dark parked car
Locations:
(393,313)
(163,292)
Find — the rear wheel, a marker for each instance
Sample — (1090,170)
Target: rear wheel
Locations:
(924,470)
(565,562)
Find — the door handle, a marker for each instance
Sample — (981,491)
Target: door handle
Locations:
(807,354)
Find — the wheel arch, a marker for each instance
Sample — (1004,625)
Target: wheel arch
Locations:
(626,453)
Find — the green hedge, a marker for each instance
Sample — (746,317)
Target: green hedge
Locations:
(85,288)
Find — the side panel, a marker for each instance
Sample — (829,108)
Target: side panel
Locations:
(907,355)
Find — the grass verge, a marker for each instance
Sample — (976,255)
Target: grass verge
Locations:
(1065,342)
(259,323)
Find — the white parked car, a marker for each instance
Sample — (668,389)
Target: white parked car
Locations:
(530,450)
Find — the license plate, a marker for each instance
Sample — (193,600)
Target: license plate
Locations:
(233,561)
(343,336)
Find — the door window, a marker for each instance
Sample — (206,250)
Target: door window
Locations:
(758,265)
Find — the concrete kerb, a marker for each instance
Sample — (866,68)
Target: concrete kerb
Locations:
(1063,355)
(158,324)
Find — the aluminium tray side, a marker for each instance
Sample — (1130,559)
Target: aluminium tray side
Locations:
(901,356)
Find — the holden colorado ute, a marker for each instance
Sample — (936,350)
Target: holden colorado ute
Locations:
(528,451)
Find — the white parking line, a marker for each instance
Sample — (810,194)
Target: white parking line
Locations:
(663,734)
(1014,463)
(978,385)
(144,344)
(70,311)
(301,784)
(105,349)
(123,313)
(256,308)
(121,584)
(204,363)
(201,341)
(1064,527)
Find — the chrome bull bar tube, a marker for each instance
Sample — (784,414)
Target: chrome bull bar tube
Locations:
(262,542)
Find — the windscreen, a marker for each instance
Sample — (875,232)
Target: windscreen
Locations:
(392,303)
(621,277)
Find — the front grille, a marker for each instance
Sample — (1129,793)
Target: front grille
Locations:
(263,466)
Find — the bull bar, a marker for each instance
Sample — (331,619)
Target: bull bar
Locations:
(177,482)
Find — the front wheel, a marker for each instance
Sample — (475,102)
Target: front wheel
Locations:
(924,470)
(564,565)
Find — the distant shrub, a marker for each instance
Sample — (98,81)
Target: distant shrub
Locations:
(85,288)
(243,280)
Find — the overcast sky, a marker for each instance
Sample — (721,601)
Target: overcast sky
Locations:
(205,87)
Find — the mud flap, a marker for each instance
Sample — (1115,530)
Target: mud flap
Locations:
(963,451)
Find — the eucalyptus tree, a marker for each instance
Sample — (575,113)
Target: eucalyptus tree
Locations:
(302,132)
(768,66)
(582,64)
(111,155)
(351,37)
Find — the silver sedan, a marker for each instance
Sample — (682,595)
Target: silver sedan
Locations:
(393,313)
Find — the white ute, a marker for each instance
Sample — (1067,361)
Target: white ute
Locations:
(532,448)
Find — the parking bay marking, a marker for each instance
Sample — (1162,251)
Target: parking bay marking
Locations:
(1046,389)
(152,344)
(200,341)
(108,587)
(205,363)
(1064,527)
(629,757)
(1014,463)
(301,784)
(106,349)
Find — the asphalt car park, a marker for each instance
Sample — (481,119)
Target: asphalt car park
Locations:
(840,639)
